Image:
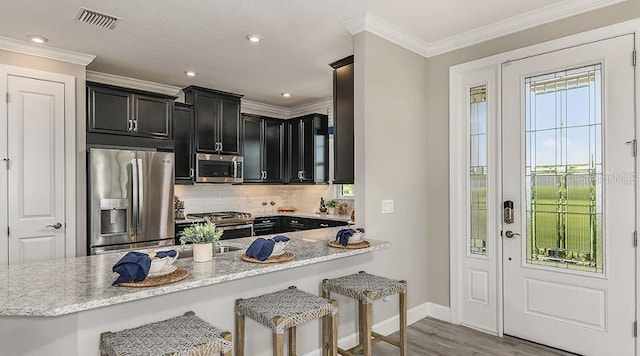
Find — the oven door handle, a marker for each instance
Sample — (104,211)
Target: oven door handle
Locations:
(237,227)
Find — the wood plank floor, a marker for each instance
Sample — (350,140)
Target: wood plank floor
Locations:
(434,337)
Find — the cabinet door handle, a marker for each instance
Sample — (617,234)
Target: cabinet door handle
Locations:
(130,125)
(191,173)
(265,174)
(135,125)
(324,225)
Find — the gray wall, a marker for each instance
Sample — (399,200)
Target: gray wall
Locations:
(390,112)
(79,72)
(437,131)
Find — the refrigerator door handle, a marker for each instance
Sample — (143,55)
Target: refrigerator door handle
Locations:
(140,192)
(135,197)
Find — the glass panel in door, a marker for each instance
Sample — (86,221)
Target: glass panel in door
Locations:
(563,169)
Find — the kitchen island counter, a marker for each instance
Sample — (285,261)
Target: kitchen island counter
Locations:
(73,285)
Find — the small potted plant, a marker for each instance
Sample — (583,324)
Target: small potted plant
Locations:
(331,204)
(202,236)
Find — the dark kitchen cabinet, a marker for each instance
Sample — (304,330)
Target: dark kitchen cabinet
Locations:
(263,149)
(122,111)
(218,125)
(343,121)
(269,225)
(152,116)
(183,133)
(308,149)
(291,224)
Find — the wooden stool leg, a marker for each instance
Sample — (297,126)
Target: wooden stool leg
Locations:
(227,336)
(292,341)
(403,324)
(325,323)
(367,309)
(333,349)
(278,344)
(361,328)
(239,344)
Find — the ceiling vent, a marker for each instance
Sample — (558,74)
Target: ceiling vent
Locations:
(96,18)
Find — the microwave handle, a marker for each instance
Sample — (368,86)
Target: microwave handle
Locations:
(235,169)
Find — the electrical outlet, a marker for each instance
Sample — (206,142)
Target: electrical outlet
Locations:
(387,206)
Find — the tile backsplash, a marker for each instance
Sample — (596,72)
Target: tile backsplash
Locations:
(249,198)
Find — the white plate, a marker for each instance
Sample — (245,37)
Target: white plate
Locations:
(276,254)
(164,272)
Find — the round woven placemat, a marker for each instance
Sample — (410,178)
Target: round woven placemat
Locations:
(287,256)
(175,276)
(362,244)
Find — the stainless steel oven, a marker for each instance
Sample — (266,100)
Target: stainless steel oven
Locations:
(211,168)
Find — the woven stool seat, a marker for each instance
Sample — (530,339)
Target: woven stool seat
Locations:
(294,306)
(185,335)
(364,286)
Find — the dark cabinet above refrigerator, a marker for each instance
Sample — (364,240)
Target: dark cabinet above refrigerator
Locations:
(126,117)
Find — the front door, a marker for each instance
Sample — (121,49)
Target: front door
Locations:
(568,167)
(36,170)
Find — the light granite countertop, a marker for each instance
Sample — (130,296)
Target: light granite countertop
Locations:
(77,284)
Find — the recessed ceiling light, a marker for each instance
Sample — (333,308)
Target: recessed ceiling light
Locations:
(286,95)
(191,73)
(254,38)
(38,39)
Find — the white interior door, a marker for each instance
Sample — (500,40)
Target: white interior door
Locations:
(36,172)
(569,276)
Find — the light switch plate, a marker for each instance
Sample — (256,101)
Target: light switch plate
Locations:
(387,206)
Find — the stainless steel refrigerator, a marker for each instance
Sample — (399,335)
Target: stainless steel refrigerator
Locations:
(130,199)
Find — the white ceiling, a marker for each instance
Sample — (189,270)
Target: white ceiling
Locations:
(157,40)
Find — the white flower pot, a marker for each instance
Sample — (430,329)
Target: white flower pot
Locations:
(203,252)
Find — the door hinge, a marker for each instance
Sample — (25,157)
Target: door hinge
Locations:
(634,142)
(8,96)
(633,57)
(8,231)
(635,329)
(635,239)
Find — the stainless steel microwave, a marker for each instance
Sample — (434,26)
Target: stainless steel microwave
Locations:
(212,168)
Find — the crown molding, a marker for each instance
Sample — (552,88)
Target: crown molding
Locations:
(371,23)
(63,55)
(384,29)
(321,107)
(257,108)
(544,15)
(112,79)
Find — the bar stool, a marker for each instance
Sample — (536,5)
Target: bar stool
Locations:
(368,288)
(183,335)
(284,311)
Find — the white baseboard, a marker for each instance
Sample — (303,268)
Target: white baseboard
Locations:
(439,312)
(391,325)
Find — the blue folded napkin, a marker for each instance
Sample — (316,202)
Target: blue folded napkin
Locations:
(344,234)
(163,254)
(262,248)
(132,267)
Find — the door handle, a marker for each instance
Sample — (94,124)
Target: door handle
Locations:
(510,234)
(55,226)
